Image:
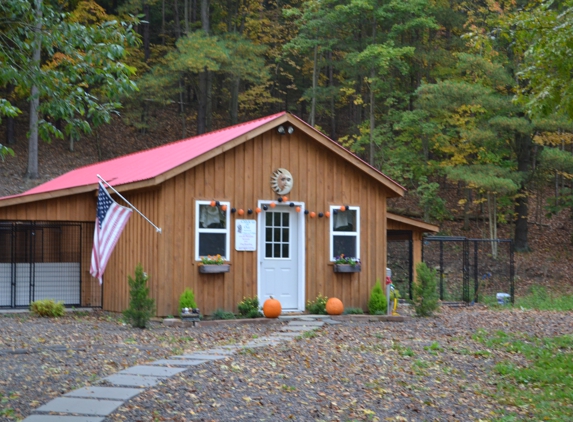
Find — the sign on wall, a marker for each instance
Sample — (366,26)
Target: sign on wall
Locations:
(245,235)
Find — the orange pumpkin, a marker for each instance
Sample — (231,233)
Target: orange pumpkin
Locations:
(272,308)
(334,306)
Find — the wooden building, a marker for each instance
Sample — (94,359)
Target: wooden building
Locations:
(277,199)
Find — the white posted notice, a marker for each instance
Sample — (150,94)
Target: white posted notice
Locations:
(245,235)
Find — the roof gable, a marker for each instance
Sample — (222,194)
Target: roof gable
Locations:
(152,167)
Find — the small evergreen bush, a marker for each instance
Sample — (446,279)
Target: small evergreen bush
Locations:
(378,302)
(187,300)
(47,308)
(141,306)
(353,311)
(425,293)
(249,307)
(222,314)
(318,306)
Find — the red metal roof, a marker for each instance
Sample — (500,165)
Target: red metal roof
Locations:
(147,164)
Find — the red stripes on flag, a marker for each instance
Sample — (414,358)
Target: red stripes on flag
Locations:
(110,220)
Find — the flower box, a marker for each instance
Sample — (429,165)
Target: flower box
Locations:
(347,268)
(214,268)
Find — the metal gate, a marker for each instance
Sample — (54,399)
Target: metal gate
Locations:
(471,269)
(46,260)
(400,260)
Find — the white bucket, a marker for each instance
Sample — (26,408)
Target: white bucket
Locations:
(503,298)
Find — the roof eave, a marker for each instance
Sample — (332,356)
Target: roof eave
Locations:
(426,227)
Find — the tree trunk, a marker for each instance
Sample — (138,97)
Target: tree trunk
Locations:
(332,107)
(186,19)
(10,128)
(203,94)
(176,19)
(235,100)
(202,103)
(32,171)
(372,98)
(209,108)
(163,22)
(146,51)
(182,109)
(466,225)
(523,149)
(314,81)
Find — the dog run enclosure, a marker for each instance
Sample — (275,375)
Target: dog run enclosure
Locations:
(471,269)
(47,260)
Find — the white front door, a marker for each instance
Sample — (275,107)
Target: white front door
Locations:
(281,257)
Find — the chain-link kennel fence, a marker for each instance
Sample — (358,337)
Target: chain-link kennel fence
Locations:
(471,270)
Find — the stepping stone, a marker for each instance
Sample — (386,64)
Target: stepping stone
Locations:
(332,322)
(288,334)
(52,418)
(178,362)
(112,393)
(306,323)
(233,347)
(299,329)
(81,406)
(153,371)
(138,381)
(221,351)
(201,356)
(257,345)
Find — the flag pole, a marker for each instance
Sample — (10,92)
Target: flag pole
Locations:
(129,203)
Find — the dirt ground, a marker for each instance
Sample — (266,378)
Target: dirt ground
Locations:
(423,369)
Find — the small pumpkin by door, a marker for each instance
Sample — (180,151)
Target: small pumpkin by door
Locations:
(272,308)
(334,306)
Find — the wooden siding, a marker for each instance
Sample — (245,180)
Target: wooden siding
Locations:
(241,176)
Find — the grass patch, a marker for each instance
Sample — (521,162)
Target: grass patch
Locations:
(545,384)
(541,299)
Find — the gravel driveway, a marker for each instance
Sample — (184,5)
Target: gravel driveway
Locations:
(422,369)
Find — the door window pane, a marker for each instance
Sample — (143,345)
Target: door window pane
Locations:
(277,234)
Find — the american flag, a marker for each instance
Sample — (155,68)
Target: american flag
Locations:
(110,221)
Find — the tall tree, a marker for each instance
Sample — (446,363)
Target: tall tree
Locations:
(81,77)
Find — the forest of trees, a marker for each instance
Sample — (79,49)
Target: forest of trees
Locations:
(473,92)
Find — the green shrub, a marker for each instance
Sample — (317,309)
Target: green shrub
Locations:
(424,292)
(318,306)
(47,308)
(141,306)
(249,307)
(187,300)
(378,302)
(221,314)
(353,311)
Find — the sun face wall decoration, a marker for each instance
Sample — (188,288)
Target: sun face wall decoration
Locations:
(282,181)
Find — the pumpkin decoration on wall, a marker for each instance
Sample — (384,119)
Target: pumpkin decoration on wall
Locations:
(334,306)
(272,308)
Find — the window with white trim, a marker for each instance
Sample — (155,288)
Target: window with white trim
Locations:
(344,232)
(212,231)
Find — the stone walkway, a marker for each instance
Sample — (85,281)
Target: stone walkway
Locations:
(94,403)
